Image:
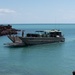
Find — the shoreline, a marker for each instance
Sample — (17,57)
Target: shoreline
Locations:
(7,30)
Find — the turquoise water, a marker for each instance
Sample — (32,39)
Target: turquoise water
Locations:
(46,59)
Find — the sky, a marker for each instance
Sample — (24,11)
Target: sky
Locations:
(37,11)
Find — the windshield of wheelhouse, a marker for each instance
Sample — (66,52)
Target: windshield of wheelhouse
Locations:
(55,34)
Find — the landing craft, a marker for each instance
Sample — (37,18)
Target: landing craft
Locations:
(43,37)
(40,37)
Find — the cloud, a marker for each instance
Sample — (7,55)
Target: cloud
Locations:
(6,11)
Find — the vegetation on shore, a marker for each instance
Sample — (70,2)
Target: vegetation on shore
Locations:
(7,29)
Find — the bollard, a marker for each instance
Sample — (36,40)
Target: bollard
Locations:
(73,72)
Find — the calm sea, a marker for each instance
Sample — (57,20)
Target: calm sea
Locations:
(46,59)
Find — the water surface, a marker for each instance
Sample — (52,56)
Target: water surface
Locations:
(46,59)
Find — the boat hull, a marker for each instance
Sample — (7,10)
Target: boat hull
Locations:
(41,40)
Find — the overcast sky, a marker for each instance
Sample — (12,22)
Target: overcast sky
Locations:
(37,11)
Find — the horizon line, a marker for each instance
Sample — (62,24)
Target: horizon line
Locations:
(34,23)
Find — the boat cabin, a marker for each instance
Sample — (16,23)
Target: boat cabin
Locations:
(45,33)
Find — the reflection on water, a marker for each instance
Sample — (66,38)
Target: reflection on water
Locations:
(31,60)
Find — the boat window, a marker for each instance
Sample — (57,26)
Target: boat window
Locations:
(32,35)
